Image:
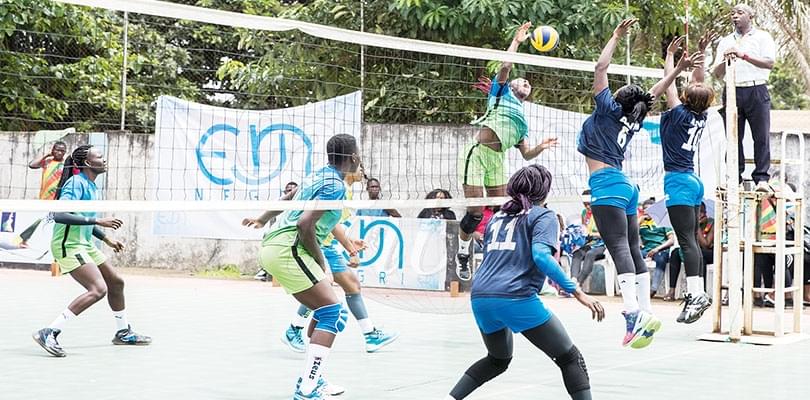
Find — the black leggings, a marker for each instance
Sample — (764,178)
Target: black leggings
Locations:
(549,337)
(685,223)
(582,262)
(675,260)
(620,234)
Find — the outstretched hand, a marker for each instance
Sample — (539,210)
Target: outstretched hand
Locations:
(624,27)
(707,39)
(484,84)
(689,61)
(675,45)
(549,143)
(523,32)
(116,245)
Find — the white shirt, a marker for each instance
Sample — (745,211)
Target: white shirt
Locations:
(756,43)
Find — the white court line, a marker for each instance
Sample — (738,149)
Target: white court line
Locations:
(500,395)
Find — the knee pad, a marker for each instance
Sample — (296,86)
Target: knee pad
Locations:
(331,318)
(487,368)
(470,222)
(574,371)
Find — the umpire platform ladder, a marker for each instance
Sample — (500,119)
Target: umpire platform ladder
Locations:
(781,330)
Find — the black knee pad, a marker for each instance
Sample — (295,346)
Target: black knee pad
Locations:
(487,368)
(574,371)
(470,222)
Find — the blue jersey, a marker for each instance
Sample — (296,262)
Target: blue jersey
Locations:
(680,136)
(605,133)
(365,212)
(77,187)
(508,269)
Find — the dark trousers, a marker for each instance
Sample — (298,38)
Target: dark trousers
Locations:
(754,107)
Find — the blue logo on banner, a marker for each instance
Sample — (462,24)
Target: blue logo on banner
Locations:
(365,229)
(253,177)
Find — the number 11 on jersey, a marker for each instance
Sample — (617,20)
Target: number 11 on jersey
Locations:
(495,231)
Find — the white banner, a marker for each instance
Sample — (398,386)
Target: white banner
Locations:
(25,237)
(402,253)
(213,153)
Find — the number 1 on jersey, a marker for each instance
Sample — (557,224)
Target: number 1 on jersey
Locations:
(507,243)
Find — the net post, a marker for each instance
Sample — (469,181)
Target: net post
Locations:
(750,233)
(55,271)
(779,266)
(124,73)
(717,288)
(733,204)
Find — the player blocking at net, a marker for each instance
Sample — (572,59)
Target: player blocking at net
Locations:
(291,253)
(519,245)
(481,164)
(681,128)
(603,140)
(73,249)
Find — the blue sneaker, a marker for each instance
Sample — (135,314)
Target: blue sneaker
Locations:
(128,337)
(294,339)
(317,393)
(376,339)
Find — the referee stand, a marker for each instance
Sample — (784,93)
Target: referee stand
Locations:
(736,230)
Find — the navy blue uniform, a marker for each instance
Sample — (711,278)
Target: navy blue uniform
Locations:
(505,288)
(680,135)
(604,137)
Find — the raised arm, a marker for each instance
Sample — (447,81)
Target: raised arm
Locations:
(520,36)
(684,63)
(699,74)
(669,66)
(600,76)
(36,163)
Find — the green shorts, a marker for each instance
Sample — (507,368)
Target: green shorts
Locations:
(479,165)
(76,256)
(292,266)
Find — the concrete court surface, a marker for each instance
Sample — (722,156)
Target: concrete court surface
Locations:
(219,339)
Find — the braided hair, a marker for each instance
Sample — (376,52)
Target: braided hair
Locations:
(73,163)
(528,186)
(340,148)
(635,102)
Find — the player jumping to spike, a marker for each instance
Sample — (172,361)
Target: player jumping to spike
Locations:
(482,163)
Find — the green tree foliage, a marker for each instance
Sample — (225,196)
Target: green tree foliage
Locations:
(61,65)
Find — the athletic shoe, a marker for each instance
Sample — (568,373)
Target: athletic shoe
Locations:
(317,393)
(293,338)
(637,322)
(376,339)
(694,308)
(46,337)
(330,389)
(763,186)
(262,275)
(646,336)
(463,269)
(685,301)
(130,338)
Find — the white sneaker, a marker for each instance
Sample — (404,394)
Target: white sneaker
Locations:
(330,389)
(763,186)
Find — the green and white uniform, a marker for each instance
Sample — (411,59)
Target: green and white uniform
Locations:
(282,255)
(72,245)
(479,165)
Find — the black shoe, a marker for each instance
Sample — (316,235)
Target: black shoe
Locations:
(262,275)
(687,298)
(46,338)
(463,270)
(131,338)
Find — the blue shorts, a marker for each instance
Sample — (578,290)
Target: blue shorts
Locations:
(611,187)
(336,261)
(683,189)
(495,313)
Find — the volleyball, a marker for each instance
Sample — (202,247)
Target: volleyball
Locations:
(545,38)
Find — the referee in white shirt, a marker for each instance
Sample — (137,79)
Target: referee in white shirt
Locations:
(756,52)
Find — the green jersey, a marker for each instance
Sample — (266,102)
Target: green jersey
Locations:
(65,237)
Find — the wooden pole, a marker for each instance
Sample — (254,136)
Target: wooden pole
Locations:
(733,203)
